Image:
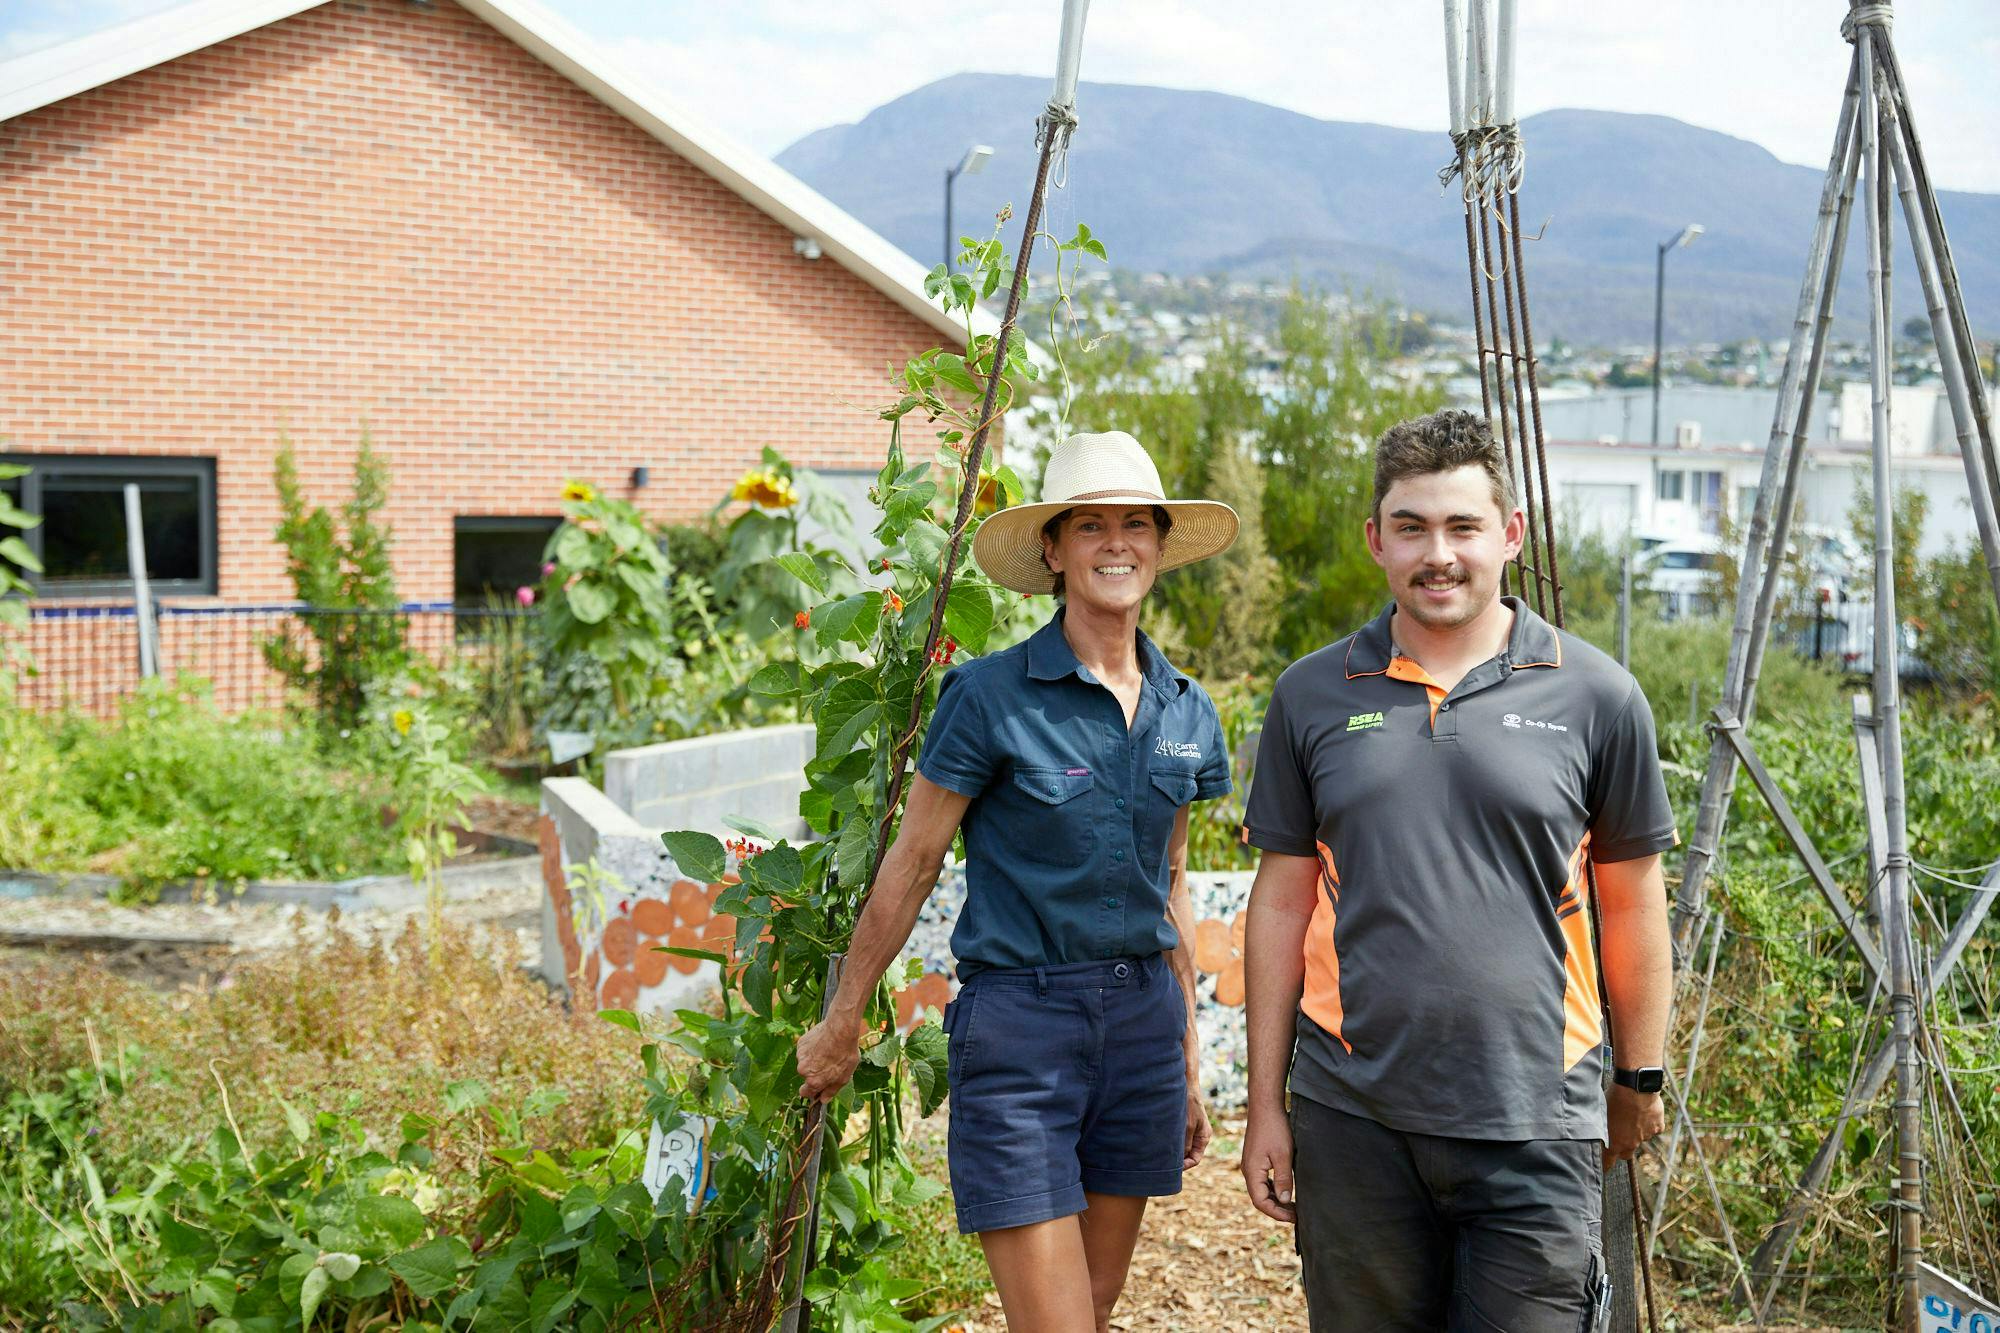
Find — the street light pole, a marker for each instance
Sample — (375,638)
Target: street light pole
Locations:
(1688,233)
(971,164)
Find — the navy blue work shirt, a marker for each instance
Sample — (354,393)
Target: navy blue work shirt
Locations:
(1066,837)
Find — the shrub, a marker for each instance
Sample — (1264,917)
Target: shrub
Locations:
(339,569)
(172,790)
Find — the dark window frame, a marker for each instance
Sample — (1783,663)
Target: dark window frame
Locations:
(478,524)
(135,466)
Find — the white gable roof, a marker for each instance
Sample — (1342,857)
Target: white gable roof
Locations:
(42,77)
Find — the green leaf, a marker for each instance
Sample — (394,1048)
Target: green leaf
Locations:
(462,1307)
(549,1301)
(674,950)
(803,568)
(428,1271)
(776,678)
(631,1208)
(17,550)
(698,855)
(780,871)
(590,602)
(853,729)
(951,369)
(925,541)
(926,1047)
(856,847)
(311,1291)
(579,1206)
(968,615)
(467,1094)
(757,987)
(836,1190)
(852,617)
(846,699)
(215,1290)
(391,1216)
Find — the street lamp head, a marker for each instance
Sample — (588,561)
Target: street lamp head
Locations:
(1688,233)
(974,161)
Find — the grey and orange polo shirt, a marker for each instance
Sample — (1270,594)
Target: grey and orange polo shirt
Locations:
(1451,978)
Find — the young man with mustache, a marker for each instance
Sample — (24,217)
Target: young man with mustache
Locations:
(1422,977)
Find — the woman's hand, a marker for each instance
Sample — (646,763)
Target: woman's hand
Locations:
(1198,1132)
(828,1054)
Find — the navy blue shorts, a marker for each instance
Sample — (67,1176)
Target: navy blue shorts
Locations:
(1064,1080)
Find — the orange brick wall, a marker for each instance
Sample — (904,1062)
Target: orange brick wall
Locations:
(377,212)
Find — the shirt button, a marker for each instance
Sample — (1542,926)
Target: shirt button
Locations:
(1120,802)
(1118,856)
(1444,708)
(1111,902)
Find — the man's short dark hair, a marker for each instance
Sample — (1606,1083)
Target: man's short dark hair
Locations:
(1441,442)
(1163,522)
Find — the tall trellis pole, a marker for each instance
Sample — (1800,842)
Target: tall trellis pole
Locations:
(1489,162)
(787,1264)
(1878,156)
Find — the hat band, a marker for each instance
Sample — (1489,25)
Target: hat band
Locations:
(1133,491)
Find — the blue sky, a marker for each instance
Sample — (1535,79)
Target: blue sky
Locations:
(769,71)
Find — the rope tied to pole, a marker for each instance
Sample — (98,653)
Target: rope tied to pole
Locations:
(1865,16)
(1054,126)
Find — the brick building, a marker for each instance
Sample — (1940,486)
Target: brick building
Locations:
(457,223)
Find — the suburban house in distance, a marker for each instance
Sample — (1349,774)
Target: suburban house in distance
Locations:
(453,222)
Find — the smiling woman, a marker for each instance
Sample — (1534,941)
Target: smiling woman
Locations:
(1069,764)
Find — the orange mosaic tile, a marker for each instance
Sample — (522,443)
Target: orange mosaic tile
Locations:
(1211,945)
(651,965)
(653,916)
(684,937)
(1218,948)
(690,902)
(621,990)
(620,941)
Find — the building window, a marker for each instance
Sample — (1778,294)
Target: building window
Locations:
(1706,490)
(81,540)
(1746,502)
(1670,485)
(492,557)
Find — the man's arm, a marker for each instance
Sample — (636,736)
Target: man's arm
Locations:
(1180,912)
(830,1051)
(1282,900)
(1638,980)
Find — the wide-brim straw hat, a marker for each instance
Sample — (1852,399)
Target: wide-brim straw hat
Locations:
(1107,468)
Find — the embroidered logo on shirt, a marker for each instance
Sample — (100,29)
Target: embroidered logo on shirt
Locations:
(1363,721)
(1177,749)
(1515,722)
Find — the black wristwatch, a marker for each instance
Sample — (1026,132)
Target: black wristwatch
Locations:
(1646,1079)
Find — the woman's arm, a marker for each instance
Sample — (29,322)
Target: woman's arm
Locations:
(830,1051)
(1180,911)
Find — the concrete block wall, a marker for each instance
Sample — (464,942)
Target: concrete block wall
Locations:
(692,784)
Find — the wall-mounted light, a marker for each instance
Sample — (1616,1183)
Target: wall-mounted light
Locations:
(805,247)
(641,477)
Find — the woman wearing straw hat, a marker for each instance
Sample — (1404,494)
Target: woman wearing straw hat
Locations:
(1069,762)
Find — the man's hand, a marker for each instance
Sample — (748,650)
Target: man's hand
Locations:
(1267,1164)
(827,1057)
(1198,1132)
(1634,1118)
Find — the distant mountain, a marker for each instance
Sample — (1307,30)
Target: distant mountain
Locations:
(1196,182)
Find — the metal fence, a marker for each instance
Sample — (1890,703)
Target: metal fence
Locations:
(87,657)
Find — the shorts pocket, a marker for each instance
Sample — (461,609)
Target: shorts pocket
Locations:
(958,1033)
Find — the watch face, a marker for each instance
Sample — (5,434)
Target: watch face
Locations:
(1648,1080)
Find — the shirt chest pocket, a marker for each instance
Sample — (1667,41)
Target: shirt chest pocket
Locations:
(1168,790)
(1059,816)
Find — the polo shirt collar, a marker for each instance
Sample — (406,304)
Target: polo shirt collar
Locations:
(1051,658)
(1531,643)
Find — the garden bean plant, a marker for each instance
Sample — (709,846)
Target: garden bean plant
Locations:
(873,644)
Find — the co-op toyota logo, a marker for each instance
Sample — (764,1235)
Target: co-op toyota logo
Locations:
(1511,720)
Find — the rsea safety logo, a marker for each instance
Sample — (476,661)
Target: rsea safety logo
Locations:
(1363,721)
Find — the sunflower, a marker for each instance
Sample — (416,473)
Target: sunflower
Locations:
(581,492)
(765,487)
